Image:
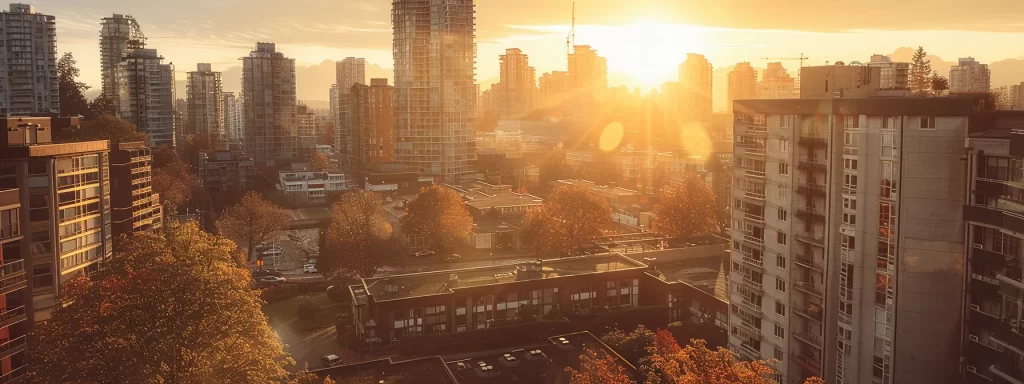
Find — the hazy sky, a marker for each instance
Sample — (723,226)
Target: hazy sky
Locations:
(644,39)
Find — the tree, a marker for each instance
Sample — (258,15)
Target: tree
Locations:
(172,179)
(102,105)
(634,345)
(568,222)
(439,215)
(70,91)
(920,72)
(253,220)
(554,168)
(359,240)
(318,161)
(168,308)
(200,143)
(598,366)
(939,84)
(686,208)
(327,137)
(306,377)
(107,127)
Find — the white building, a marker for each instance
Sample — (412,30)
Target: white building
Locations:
(205,100)
(847,256)
(147,95)
(310,187)
(233,117)
(28,81)
(969,76)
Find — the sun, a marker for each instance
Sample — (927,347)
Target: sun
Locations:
(650,52)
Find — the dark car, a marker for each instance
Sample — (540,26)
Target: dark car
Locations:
(330,360)
(425,253)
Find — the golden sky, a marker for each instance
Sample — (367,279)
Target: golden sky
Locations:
(644,40)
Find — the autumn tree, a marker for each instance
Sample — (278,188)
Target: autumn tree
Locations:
(598,366)
(306,377)
(172,178)
(939,84)
(70,91)
(439,215)
(359,240)
(252,221)
(686,208)
(102,105)
(602,170)
(568,222)
(318,161)
(554,168)
(920,72)
(171,307)
(111,128)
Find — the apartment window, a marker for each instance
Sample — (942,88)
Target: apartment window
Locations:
(888,144)
(848,242)
(885,122)
(849,218)
(781,238)
(850,183)
(849,203)
(780,285)
(927,122)
(780,261)
(779,356)
(850,139)
(783,192)
(850,122)
(850,164)
(780,332)
(780,309)
(784,145)
(783,215)
(783,169)
(887,183)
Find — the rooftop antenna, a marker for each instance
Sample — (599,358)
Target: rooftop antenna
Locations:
(570,39)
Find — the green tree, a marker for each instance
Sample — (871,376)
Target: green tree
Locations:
(359,240)
(70,91)
(168,308)
(685,208)
(253,220)
(102,105)
(439,215)
(107,127)
(920,72)
(939,84)
(568,222)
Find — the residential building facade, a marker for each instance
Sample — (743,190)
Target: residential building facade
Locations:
(134,206)
(895,75)
(847,261)
(695,87)
(205,102)
(233,120)
(435,91)
(839,81)
(13,297)
(226,175)
(518,84)
(553,90)
(349,71)
(147,95)
(588,78)
(310,187)
(776,83)
(969,76)
(372,126)
(29,81)
(268,94)
(742,83)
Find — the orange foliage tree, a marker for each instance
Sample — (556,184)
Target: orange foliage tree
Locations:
(318,161)
(439,215)
(359,240)
(686,208)
(597,366)
(253,220)
(568,222)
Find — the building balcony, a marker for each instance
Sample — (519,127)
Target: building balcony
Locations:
(12,276)
(749,305)
(994,217)
(812,141)
(754,195)
(757,130)
(752,284)
(811,364)
(749,352)
(813,312)
(811,214)
(14,376)
(754,216)
(749,327)
(810,238)
(811,189)
(1013,374)
(808,287)
(754,173)
(12,316)
(809,339)
(752,261)
(806,262)
(812,164)
(754,240)
(755,151)
(9,347)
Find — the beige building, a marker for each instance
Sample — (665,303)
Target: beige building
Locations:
(147,95)
(553,89)
(695,86)
(969,76)
(28,83)
(839,81)
(205,100)
(847,259)
(268,94)
(742,83)
(895,75)
(119,35)
(518,85)
(776,83)
(373,122)
(588,77)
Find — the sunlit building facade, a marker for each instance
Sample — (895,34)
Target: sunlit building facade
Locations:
(742,83)
(969,76)
(518,84)
(695,87)
(268,94)
(147,95)
(205,102)
(28,83)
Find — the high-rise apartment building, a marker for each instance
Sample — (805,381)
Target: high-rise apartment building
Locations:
(847,260)
(335,97)
(776,83)
(28,83)
(134,206)
(895,75)
(742,83)
(553,89)
(305,121)
(147,95)
(993,328)
(233,117)
(205,100)
(268,94)
(695,84)
(518,84)
(435,91)
(588,76)
(969,76)
(349,71)
(119,35)
(373,123)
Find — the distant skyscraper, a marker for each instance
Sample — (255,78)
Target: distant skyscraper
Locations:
(28,82)
(119,35)
(335,97)
(435,92)
(588,74)
(147,95)
(349,71)
(518,84)
(373,124)
(742,83)
(205,102)
(895,75)
(1017,97)
(969,76)
(777,84)
(695,82)
(233,117)
(268,94)
(553,89)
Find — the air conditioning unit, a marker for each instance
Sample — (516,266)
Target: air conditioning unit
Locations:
(976,307)
(972,337)
(970,368)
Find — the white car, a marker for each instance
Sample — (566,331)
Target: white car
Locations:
(272,279)
(309,268)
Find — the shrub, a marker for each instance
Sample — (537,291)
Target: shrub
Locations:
(308,309)
(337,294)
(279,293)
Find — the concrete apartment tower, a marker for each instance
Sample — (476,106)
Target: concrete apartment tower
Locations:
(335,98)
(205,101)
(742,83)
(146,97)
(517,86)
(552,89)
(349,71)
(28,84)
(435,91)
(895,75)
(969,76)
(232,117)
(268,91)
(588,76)
(695,84)
(847,258)
(776,83)
(119,35)
(373,126)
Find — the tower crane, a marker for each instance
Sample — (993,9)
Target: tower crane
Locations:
(801,58)
(570,39)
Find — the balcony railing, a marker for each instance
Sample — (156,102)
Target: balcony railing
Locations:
(753,240)
(750,305)
(809,363)
(813,313)
(808,287)
(753,284)
(806,262)
(749,351)
(9,230)
(812,141)
(754,173)
(755,151)
(12,316)
(9,347)
(12,276)
(810,213)
(14,375)
(756,130)
(812,164)
(750,327)
(753,261)
(754,216)
(811,189)
(811,238)
(812,340)
(756,195)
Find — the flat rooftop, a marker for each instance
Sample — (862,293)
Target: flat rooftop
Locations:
(709,274)
(483,196)
(601,190)
(535,364)
(442,282)
(427,370)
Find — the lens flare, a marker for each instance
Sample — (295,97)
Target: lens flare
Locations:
(611,136)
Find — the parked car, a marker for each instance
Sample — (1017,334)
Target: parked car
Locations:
(309,268)
(274,251)
(330,360)
(272,279)
(453,257)
(424,253)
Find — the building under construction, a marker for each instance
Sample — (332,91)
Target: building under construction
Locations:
(119,35)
